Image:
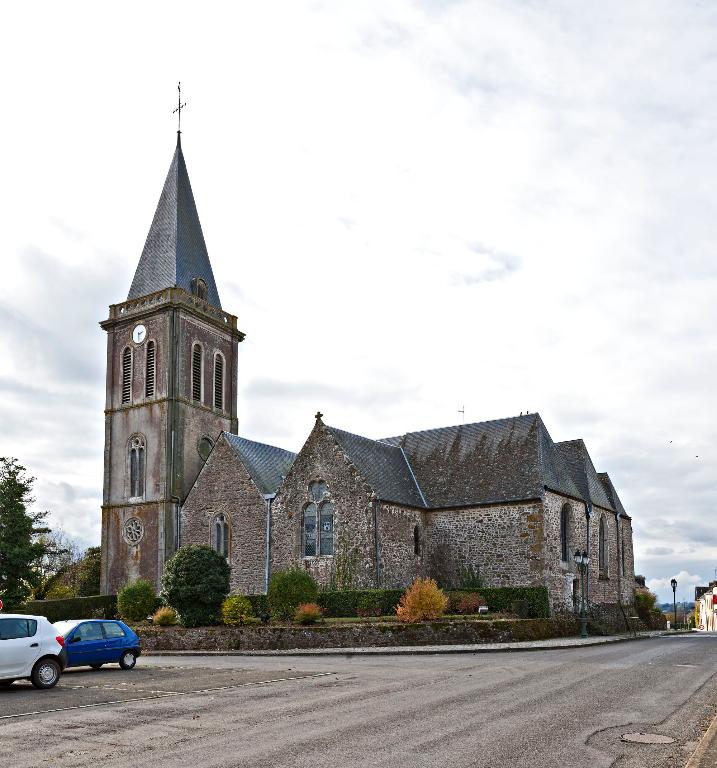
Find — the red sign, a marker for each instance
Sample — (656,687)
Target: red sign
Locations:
(714,599)
(0,605)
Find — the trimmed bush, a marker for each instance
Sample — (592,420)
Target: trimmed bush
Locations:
(165,617)
(95,607)
(259,605)
(135,601)
(503,599)
(465,603)
(308,613)
(237,611)
(195,583)
(287,589)
(422,601)
(364,602)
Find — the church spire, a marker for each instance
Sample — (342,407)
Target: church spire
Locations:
(174,253)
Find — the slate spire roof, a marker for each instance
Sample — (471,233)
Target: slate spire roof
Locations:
(174,253)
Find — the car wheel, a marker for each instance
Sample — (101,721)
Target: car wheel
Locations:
(45,673)
(96,666)
(6,683)
(127,660)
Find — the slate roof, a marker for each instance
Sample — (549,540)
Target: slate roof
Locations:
(612,493)
(174,252)
(491,461)
(578,460)
(384,466)
(267,465)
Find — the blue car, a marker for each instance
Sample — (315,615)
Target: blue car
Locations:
(94,642)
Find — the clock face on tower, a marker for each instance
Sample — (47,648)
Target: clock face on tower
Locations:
(139,334)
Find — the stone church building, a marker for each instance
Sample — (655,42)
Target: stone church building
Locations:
(498,497)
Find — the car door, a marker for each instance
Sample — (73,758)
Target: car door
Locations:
(19,646)
(116,640)
(86,645)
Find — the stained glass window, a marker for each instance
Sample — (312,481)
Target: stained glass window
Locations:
(310,530)
(326,534)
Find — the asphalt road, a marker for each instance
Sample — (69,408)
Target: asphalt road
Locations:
(550,708)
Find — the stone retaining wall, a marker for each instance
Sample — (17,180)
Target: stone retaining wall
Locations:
(264,638)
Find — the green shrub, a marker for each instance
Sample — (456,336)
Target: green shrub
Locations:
(289,588)
(502,599)
(236,610)
(195,583)
(259,604)
(364,602)
(645,603)
(135,601)
(95,607)
(308,613)
(165,617)
(469,578)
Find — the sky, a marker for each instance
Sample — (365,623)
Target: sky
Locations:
(414,208)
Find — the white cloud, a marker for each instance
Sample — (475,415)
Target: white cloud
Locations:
(686,583)
(416,206)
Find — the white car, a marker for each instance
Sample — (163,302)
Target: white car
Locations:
(32,649)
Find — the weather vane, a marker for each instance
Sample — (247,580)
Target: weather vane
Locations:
(179,108)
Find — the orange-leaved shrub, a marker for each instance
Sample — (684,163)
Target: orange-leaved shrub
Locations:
(469,603)
(165,616)
(423,600)
(308,613)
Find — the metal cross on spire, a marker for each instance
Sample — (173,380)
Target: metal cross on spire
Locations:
(179,108)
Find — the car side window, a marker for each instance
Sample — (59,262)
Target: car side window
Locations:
(12,629)
(89,631)
(112,629)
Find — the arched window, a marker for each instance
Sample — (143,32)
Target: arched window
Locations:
(602,548)
(416,540)
(326,534)
(199,288)
(310,530)
(220,535)
(622,556)
(149,371)
(126,375)
(219,381)
(197,373)
(136,466)
(564,542)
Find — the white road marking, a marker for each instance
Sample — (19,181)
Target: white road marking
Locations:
(164,695)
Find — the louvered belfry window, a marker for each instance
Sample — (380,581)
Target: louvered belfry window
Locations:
(197,373)
(149,375)
(219,382)
(126,375)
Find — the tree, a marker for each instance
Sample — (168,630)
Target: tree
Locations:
(21,548)
(56,565)
(88,573)
(195,582)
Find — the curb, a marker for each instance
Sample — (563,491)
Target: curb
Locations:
(417,650)
(705,756)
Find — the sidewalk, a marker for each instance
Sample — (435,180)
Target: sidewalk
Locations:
(705,756)
(558,643)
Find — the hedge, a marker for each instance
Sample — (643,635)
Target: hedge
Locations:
(530,601)
(96,607)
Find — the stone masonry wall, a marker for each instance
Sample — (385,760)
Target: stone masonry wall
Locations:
(321,459)
(505,543)
(562,578)
(400,564)
(224,486)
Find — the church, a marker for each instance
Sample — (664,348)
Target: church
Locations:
(499,498)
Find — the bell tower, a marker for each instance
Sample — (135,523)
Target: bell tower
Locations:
(171,388)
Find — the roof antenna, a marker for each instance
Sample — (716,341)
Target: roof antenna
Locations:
(179,109)
(462,410)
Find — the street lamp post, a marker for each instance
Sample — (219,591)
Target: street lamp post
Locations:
(582,560)
(673,584)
